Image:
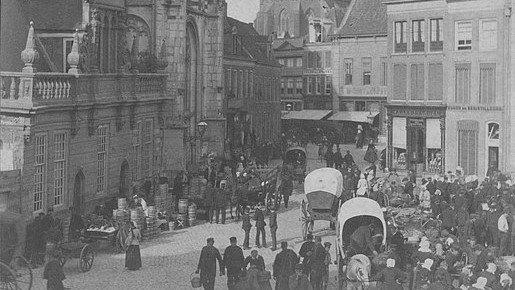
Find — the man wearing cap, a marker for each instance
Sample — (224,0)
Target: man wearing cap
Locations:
(491,277)
(317,264)
(273,227)
(260,226)
(504,235)
(207,265)
(299,280)
(327,262)
(233,261)
(390,276)
(306,250)
(246,225)
(361,240)
(492,228)
(284,267)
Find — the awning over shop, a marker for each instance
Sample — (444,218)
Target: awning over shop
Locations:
(305,115)
(354,116)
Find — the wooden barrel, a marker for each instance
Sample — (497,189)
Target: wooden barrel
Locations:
(183,206)
(135,214)
(122,203)
(151,211)
(192,214)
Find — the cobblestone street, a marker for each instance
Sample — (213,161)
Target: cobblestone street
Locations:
(169,260)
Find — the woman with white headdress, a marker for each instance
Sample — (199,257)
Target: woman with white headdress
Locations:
(362,187)
(390,277)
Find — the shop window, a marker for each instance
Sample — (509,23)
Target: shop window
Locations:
(311,85)
(367,70)
(488,34)
(418,39)
(401,44)
(346,106)
(436,35)
(348,71)
(417,82)
(399,82)
(487,83)
(464,35)
(434,146)
(435,86)
(462,86)
(39,191)
(298,62)
(399,133)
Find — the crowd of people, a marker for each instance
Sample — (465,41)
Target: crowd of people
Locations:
(473,241)
(309,269)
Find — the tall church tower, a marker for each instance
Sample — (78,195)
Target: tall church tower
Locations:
(291,18)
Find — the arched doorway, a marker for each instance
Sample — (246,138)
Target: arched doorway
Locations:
(125,182)
(191,98)
(78,192)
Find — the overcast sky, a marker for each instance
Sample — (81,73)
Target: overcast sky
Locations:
(243,10)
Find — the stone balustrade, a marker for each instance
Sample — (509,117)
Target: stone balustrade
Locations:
(20,91)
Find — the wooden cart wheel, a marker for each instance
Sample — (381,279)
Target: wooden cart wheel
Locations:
(23,272)
(306,220)
(7,278)
(87,256)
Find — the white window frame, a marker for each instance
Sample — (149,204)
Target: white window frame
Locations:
(60,167)
(488,37)
(102,157)
(400,35)
(463,34)
(40,173)
(328,85)
(421,23)
(298,62)
(436,35)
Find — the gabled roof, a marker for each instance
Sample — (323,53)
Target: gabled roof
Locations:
(253,45)
(367,17)
(288,43)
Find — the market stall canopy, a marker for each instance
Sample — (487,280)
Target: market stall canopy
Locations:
(305,115)
(360,206)
(354,116)
(322,186)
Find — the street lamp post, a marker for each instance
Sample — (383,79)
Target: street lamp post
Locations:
(198,135)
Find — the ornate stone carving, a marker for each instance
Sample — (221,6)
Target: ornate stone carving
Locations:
(73,57)
(29,55)
(132,116)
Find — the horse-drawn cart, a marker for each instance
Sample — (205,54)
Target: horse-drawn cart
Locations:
(323,188)
(354,213)
(15,271)
(295,162)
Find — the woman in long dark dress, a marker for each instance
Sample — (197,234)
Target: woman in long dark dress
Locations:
(53,273)
(133,255)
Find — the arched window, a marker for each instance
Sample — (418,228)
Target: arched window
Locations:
(284,22)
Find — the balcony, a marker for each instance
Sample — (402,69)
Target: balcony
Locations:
(25,91)
(366,91)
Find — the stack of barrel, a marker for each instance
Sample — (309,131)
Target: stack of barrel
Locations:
(187,212)
(151,230)
(138,216)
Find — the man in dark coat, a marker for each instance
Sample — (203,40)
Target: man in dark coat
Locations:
(348,160)
(408,187)
(259,217)
(299,280)
(361,240)
(207,265)
(246,225)
(306,250)
(390,276)
(329,157)
(220,203)
(317,264)
(178,185)
(338,159)
(233,261)
(284,267)
(273,228)
(286,189)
